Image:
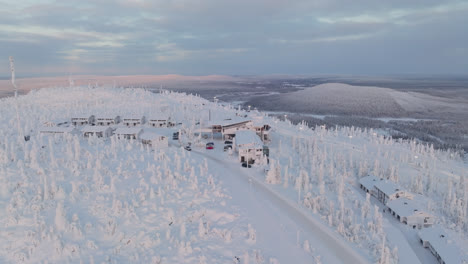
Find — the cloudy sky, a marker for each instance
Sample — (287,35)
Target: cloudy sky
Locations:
(201,37)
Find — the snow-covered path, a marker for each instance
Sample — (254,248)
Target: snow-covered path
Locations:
(279,222)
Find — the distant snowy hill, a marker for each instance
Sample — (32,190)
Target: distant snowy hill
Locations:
(344,99)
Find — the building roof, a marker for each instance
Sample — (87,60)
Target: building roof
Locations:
(82,116)
(405,207)
(247,137)
(55,129)
(226,123)
(447,250)
(132,117)
(128,130)
(94,129)
(234,123)
(388,187)
(158,117)
(106,116)
(150,136)
(369,181)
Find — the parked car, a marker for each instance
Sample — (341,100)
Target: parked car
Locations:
(266,151)
(209,147)
(188,148)
(246,165)
(228,142)
(210,143)
(227,147)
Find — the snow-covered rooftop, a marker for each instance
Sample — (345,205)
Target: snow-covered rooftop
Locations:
(128,130)
(94,129)
(133,117)
(258,121)
(447,250)
(150,136)
(247,137)
(388,187)
(106,117)
(55,129)
(82,116)
(157,117)
(369,182)
(234,120)
(405,207)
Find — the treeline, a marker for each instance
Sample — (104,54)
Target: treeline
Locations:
(442,134)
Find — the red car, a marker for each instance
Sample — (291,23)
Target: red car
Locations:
(210,147)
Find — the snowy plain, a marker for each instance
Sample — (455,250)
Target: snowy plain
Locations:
(72,199)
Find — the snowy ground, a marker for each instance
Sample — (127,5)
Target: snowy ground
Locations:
(71,199)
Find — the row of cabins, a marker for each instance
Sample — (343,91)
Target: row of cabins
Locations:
(407,209)
(444,250)
(135,133)
(400,203)
(129,121)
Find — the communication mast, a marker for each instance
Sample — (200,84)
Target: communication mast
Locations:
(12,67)
(20,131)
(71,82)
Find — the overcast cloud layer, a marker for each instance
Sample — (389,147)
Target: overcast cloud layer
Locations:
(201,37)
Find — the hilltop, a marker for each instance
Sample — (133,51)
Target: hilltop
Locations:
(73,198)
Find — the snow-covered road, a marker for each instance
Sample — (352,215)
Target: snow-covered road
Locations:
(281,224)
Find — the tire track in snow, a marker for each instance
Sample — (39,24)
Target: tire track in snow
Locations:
(341,250)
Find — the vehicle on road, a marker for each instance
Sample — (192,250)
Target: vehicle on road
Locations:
(209,147)
(227,147)
(188,148)
(246,165)
(228,142)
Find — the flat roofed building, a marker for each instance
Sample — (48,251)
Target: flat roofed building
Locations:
(128,132)
(248,145)
(159,121)
(262,130)
(410,212)
(133,120)
(97,131)
(388,190)
(83,120)
(103,120)
(154,140)
(443,249)
(368,184)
